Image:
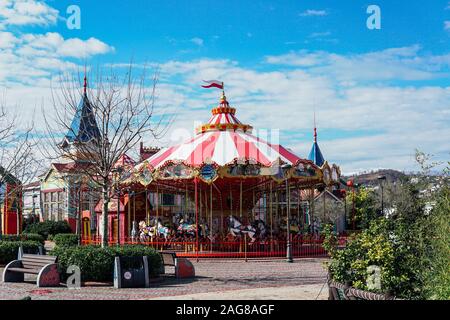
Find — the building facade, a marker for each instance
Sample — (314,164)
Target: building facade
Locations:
(10,203)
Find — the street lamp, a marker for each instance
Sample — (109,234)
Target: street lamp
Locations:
(286,167)
(381,179)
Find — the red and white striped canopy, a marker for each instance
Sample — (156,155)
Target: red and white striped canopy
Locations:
(223,140)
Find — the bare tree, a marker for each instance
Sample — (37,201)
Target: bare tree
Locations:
(118,112)
(18,164)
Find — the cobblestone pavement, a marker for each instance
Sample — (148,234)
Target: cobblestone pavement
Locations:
(235,279)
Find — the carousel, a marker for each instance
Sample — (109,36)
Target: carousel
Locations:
(235,194)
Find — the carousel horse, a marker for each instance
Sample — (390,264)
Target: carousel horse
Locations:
(294,226)
(185,226)
(238,229)
(261,228)
(162,230)
(158,228)
(203,231)
(146,232)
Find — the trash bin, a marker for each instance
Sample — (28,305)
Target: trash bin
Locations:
(131,272)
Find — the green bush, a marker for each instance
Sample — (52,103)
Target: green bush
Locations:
(9,249)
(33,237)
(97,263)
(370,247)
(48,227)
(66,239)
(437,283)
(398,245)
(24,237)
(10,237)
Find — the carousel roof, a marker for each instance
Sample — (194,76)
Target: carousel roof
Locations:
(222,140)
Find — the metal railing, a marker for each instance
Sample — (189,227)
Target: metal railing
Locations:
(300,246)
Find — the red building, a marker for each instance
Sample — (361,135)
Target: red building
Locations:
(10,203)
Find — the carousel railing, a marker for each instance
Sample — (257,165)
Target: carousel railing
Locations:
(300,247)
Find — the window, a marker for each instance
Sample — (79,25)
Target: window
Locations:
(53,206)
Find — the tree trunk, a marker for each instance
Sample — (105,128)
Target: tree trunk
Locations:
(105,217)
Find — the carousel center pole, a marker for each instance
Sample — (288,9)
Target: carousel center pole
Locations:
(196,216)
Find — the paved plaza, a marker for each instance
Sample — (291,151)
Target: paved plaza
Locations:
(215,279)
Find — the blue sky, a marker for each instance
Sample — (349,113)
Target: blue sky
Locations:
(378,94)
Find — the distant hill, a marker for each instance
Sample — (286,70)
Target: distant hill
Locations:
(371,178)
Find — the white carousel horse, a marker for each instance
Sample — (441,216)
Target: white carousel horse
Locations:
(162,230)
(145,231)
(237,228)
(151,231)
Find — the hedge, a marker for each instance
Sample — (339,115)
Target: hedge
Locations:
(9,249)
(66,239)
(24,237)
(97,263)
(48,227)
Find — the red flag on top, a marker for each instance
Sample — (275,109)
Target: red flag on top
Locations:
(213,83)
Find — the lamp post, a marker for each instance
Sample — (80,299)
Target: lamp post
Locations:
(381,179)
(285,168)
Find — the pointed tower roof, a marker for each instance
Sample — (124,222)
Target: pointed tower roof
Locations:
(315,155)
(84,126)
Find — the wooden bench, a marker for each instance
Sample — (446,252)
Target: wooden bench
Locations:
(45,267)
(183,267)
(168,258)
(339,291)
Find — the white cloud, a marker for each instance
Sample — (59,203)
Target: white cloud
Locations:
(447,25)
(404,63)
(197,41)
(312,12)
(29,56)
(7,40)
(26,12)
(319,34)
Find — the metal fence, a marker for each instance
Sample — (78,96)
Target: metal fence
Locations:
(300,247)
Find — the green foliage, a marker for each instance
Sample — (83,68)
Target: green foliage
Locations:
(365,207)
(48,227)
(437,282)
(32,237)
(370,247)
(411,246)
(9,249)
(24,237)
(97,263)
(66,239)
